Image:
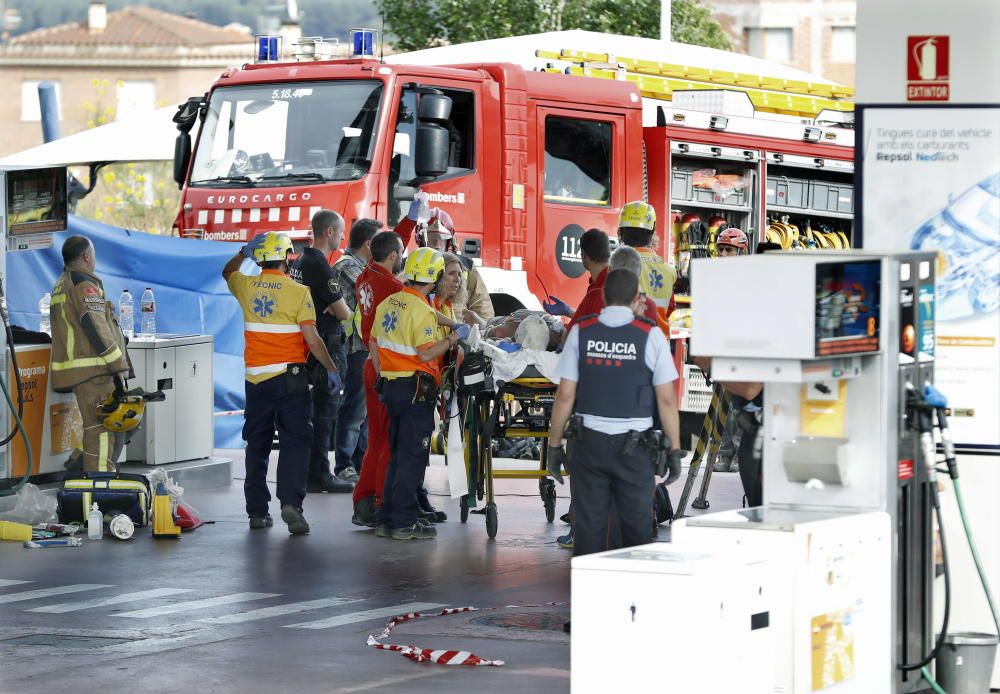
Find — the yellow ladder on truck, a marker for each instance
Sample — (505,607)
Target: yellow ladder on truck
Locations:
(660,80)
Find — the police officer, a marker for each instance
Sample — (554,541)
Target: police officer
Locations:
(636,226)
(279,328)
(614,370)
(88,349)
(407,345)
(312,269)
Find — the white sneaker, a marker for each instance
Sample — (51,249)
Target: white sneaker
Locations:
(349,474)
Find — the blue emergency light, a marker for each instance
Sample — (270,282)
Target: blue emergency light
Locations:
(362,43)
(268,49)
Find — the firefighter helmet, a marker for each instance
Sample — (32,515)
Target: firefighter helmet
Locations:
(638,215)
(733,237)
(424,265)
(121,412)
(440,223)
(276,246)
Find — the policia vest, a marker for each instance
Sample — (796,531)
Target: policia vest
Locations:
(615,381)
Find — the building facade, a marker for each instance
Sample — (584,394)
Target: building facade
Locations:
(112,65)
(813,35)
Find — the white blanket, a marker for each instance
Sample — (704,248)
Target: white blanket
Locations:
(509,365)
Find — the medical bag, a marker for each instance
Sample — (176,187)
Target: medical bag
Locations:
(111,491)
(475,375)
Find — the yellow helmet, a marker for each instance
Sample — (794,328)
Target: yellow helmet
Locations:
(121,412)
(639,215)
(424,265)
(275,247)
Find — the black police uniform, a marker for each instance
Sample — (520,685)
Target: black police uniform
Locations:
(312,269)
(610,474)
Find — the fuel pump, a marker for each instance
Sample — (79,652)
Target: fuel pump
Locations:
(850,470)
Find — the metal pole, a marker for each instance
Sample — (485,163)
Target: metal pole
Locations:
(48,106)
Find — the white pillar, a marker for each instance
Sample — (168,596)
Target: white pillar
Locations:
(665,20)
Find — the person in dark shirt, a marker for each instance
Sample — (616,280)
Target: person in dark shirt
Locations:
(313,270)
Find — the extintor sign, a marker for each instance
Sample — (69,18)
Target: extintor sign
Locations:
(927,72)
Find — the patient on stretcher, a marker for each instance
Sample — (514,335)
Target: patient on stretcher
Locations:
(529,329)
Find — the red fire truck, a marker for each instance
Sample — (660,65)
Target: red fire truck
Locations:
(524,160)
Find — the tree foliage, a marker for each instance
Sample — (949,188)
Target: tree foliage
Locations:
(417,24)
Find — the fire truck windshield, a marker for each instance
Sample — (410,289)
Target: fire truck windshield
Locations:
(287,134)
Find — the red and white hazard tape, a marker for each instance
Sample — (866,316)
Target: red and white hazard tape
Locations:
(428,655)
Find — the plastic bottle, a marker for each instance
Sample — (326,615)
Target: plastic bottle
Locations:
(45,308)
(126,314)
(95,523)
(425,212)
(147,307)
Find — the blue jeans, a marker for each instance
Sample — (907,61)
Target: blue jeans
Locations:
(410,428)
(351,438)
(270,406)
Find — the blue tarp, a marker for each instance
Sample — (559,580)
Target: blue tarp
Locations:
(186,278)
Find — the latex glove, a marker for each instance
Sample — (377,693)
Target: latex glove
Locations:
(254,243)
(557,307)
(419,210)
(508,346)
(673,466)
(333,381)
(554,460)
(463,331)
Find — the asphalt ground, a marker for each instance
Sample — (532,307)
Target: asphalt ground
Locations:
(226,609)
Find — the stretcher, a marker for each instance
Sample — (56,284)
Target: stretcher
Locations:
(519,408)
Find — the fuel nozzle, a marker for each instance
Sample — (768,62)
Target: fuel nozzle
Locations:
(920,415)
(936,399)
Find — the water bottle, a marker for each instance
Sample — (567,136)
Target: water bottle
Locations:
(44,308)
(147,307)
(126,314)
(95,523)
(425,211)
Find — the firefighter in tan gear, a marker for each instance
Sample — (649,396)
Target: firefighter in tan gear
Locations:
(636,225)
(88,350)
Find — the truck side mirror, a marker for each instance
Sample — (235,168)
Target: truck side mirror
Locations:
(434,108)
(432,147)
(182,157)
(430,156)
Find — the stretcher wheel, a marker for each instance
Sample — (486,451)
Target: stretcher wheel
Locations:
(463,508)
(547,488)
(491,520)
(438,443)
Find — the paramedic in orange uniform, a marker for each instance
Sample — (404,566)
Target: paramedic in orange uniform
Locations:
(407,346)
(279,323)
